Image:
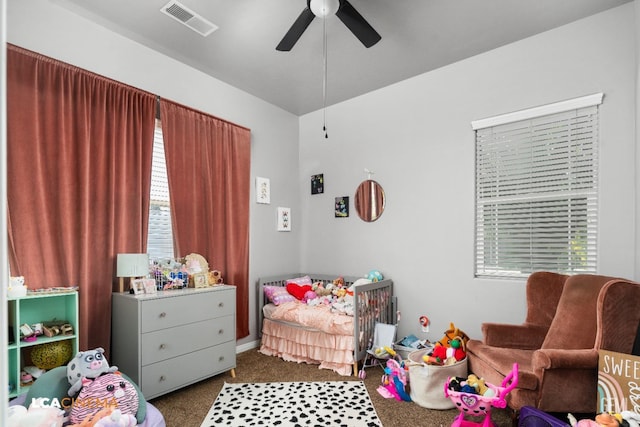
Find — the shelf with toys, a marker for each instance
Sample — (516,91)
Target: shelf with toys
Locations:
(43,334)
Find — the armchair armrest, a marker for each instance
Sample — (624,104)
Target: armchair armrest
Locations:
(524,336)
(553,358)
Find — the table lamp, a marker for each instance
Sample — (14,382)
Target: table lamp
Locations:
(131,266)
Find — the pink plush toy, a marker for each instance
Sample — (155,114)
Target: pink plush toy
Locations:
(107,390)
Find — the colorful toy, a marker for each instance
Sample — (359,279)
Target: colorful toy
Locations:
(452,333)
(320,290)
(107,390)
(479,386)
(374,276)
(394,382)
(625,418)
(449,350)
(87,365)
(477,405)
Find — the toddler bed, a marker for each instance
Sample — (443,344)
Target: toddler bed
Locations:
(335,336)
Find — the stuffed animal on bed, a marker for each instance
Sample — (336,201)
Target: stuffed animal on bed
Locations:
(320,290)
(108,390)
(87,364)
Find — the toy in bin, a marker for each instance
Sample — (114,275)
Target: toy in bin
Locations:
(469,402)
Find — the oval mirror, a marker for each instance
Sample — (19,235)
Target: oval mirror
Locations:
(369,200)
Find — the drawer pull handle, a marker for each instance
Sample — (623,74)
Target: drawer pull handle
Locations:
(221,304)
(163,346)
(221,331)
(221,358)
(163,314)
(162,378)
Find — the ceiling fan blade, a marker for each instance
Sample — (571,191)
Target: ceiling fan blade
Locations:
(296,30)
(357,24)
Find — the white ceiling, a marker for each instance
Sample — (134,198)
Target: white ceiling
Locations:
(417,36)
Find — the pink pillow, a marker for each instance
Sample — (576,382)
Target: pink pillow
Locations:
(278,294)
(304,280)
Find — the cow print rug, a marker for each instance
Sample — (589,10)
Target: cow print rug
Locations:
(291,404)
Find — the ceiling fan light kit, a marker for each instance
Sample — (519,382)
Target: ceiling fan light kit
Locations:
(322,8)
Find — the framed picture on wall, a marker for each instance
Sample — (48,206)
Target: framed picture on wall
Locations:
(284,219)
(317,184)
(342,207)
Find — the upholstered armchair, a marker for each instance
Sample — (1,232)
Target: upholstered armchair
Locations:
(569,318)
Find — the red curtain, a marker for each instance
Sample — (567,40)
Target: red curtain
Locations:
(79,169)
(208,168)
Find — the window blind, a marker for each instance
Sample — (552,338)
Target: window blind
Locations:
(537,195)
(160,234)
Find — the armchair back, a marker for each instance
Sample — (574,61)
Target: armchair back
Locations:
(574,325)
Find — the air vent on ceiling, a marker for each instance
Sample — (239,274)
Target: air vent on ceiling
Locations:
(182,14)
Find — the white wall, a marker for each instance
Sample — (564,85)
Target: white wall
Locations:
(416,136)
(43,27)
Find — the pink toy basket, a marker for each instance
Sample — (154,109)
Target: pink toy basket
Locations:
(478,405)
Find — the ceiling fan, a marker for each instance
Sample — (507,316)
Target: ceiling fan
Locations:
(322,8)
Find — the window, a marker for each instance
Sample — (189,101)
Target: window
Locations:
(536,190)
(160,235)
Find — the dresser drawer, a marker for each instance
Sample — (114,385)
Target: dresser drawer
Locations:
(164,313)
(162,377)
(172,342)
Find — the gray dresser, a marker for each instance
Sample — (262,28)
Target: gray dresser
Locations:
(168,340)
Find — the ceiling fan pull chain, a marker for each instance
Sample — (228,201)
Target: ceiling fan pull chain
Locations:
(324,78)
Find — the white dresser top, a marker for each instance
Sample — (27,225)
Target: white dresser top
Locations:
(175,292)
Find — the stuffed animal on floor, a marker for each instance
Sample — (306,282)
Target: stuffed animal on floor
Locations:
(87,364)
(108,390)
(625,418)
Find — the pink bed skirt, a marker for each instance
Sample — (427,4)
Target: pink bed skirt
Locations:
(295,344)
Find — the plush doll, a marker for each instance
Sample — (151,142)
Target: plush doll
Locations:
(455,352)
(87,364)
(450,334)
(320,289)
(609,420)
(374,276)
(35,416)
(309,296)
(106,390)
(631,417)
(479,385)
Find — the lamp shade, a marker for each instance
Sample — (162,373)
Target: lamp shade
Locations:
(132,265)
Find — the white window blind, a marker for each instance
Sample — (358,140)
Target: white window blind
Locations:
(160,235)
(537,192)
